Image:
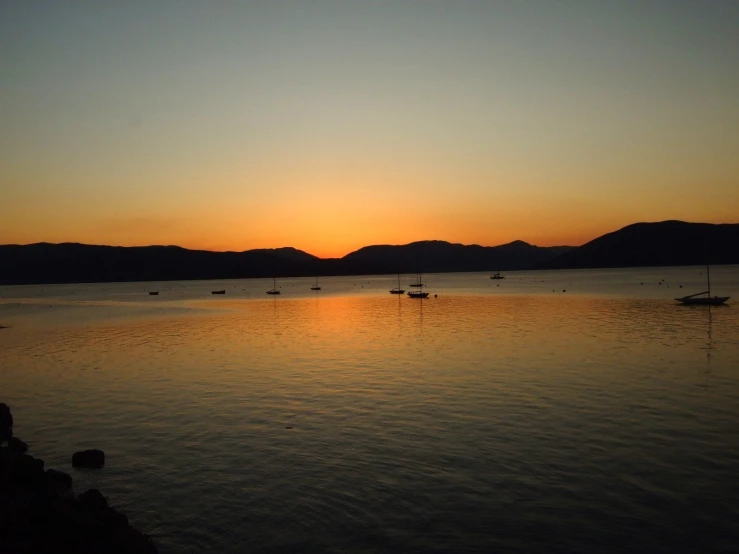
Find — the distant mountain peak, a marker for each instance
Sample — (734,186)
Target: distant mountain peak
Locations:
(662,243)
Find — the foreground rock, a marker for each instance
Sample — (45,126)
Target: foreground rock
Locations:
(6,423)
(93,459)
(39,511)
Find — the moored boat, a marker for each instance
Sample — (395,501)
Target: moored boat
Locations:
(274,289)
(397,290)
(698,300)
(316,286)
(695,300)
(417,294)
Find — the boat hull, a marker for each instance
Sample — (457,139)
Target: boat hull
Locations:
(707,301)
(418,294)
(218,292)
(273,292)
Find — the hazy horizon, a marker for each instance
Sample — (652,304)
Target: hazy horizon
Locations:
(334,125)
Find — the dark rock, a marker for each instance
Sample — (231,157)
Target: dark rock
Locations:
(128,539)
(6,418)
(93,497)
(89,458)
(39,512)
(17,446)
(27,470)
(6,423)
(114,518)
(59,481)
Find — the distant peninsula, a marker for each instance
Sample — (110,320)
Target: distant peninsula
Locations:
(638,245)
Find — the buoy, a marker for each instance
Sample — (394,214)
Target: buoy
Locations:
(436,296)
(564,290)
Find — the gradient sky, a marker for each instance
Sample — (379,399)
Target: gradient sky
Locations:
(330,125)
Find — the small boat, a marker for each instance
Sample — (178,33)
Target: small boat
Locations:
(698,300)
(274,289)
(702,301)
(417,294)
(418,283)
(397,290)
(497,276)
(316,287)
(153,292)
(218,291)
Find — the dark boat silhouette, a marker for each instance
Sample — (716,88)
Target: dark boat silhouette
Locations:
(153,293)
(274,289)
(316,287)
(698,300)
(418,283)
(218,291)
(497,276)
(397,290)
(418,293)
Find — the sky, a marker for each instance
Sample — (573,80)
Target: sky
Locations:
(329,125)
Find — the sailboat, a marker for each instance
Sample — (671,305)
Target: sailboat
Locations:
(698,300)
(497,276)
(274,289)
(316,287)
(418,293)
(397,290)
(418,283)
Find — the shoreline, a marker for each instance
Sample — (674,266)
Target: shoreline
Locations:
(359,275)
(41,512)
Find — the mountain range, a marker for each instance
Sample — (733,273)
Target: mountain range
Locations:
(641,244)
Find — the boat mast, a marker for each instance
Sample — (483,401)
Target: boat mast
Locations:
(708,271)
(708,276)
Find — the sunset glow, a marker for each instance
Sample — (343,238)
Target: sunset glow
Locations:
(329,126)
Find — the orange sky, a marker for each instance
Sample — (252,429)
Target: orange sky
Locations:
(329,127)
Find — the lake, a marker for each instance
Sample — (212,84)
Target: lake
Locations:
(553,411)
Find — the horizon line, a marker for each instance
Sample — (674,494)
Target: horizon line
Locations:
(356,250)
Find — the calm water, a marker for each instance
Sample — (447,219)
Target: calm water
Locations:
(504,418)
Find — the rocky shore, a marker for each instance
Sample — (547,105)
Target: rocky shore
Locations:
(40,512)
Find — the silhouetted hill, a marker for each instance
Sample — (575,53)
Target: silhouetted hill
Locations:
(439,256)
(656,244)
(77,263)
(641,244)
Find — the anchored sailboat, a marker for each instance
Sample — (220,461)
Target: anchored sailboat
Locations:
(397,290)
(418,293)
(316,287)
(274,289)
(698,300)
